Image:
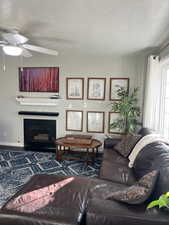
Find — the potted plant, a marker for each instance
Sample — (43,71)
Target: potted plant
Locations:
(128,110)
(162,202)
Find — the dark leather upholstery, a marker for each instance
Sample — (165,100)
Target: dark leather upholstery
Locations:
(145,131)
(154,156)
(117,173)
(114,157)
(115,168)
(68,206)
(13,218)
(83,200)
(69,201)
(105,212)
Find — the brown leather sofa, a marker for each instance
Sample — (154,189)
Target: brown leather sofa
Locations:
(83,200)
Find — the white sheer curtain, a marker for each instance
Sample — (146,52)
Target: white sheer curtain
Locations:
(152,96)
(164,103)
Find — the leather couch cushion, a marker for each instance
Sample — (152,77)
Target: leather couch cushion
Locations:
(67,207)
(117,173)
(152,156)
(104,188)
(145,131)
(137,193)
(67,204)
(125,146)
(37,199)
(111,142)
(114,157)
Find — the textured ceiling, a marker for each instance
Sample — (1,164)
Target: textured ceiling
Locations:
(102,27)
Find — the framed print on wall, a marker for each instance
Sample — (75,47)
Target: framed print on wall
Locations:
(96,88)
(95,122)
(74,120)
(112,117)
(75,88)
(115,83)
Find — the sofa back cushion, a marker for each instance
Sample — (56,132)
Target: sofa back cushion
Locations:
(126,145)
(145,131)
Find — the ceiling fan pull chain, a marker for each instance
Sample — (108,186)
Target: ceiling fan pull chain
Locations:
(21,60)
(3,61)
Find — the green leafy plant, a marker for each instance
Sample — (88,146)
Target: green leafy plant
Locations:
(128,110)
(163,201)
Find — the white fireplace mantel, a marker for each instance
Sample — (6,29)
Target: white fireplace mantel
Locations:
(37,101)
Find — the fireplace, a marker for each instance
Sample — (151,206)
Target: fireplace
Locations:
(39,135)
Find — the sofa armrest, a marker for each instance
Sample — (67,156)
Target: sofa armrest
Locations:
(105,212)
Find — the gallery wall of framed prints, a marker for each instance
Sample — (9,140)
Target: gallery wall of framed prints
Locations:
(93,89)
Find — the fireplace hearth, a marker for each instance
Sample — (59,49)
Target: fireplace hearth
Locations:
(39,135)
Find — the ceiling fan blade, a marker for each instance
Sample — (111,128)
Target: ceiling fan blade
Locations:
(14,38)
(26,53)
(40,49)
(2,43)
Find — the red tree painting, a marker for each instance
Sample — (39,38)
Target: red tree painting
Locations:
(39,79)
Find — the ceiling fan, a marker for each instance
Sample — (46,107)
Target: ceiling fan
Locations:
(15,44)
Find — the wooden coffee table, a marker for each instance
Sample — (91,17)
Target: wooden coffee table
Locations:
(89,150)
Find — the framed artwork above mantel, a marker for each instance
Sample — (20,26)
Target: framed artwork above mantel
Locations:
(39,79)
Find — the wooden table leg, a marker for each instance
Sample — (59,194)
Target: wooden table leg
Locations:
(58,153)
(93,155)
(87,156)
(97,151)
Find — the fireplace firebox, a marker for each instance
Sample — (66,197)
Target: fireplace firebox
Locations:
(39,135)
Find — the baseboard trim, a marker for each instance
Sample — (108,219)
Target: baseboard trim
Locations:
(12,144)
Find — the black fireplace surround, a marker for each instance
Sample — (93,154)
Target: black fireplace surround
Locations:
(39,134)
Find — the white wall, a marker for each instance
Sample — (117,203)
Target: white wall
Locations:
(11,124)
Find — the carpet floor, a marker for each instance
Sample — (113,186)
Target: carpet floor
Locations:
(16,168)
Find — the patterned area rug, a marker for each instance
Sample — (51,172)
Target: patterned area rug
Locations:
(16,168)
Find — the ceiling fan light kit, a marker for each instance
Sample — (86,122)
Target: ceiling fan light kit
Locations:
(13,44)
(12,50)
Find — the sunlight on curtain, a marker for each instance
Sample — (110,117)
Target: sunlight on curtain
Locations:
(164,106)
(151,113)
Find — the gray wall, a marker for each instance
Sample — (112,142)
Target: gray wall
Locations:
(11,125)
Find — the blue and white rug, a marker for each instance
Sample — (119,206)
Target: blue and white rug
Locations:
(16,168)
